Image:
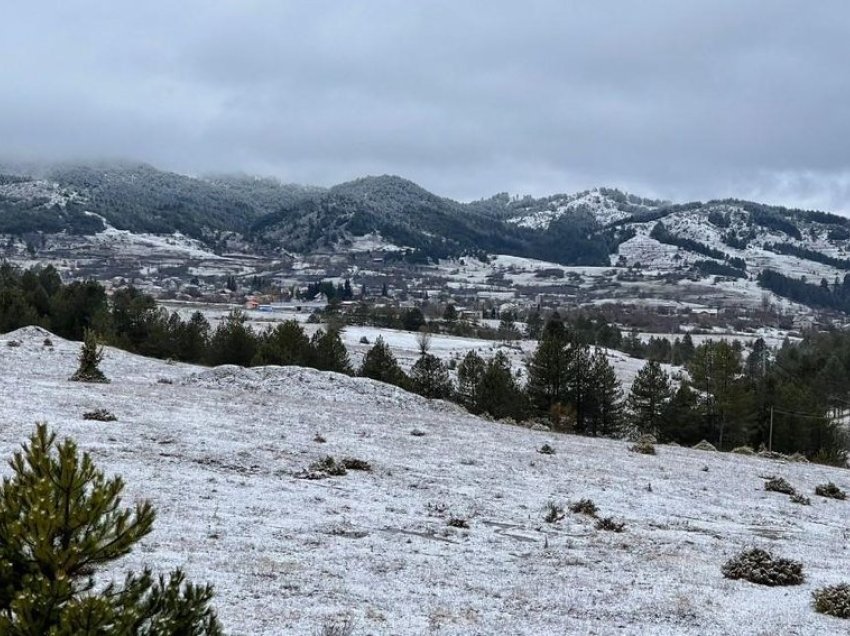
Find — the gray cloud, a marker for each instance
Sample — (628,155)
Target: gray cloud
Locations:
(683,100)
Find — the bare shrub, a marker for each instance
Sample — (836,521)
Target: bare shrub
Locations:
(546,449)
(758,566)
(744,450)
(643,446)
(352,463)
(336,627)
(584,507)
(705,446)
(99,415)
(609,524)
(800,499)
(830,491)
(833,600)
(778,484)
(554,513)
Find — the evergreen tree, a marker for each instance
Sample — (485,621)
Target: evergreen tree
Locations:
(548,369)
(430,377)
(714,369)
(380,364)
(329,354)
(194,338)
(469,373)
(498,393)
(507,328)
(60,522)
(579,388)
(680,421)
(233,341)
(648,398)
(605,411)
(534,324)
(285,345)
(91,355)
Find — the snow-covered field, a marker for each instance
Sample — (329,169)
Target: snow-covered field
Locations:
(217,450)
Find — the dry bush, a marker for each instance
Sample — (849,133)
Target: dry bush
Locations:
(800,499)
(458,522)
(830,491)
(337,627)
(352,463)
(833,600)
(546,449)
(554,513)
(609,524)
(584,507)
(744,450)
(643,446)
(758,566)
(778,484)
(99,415)
(705,446)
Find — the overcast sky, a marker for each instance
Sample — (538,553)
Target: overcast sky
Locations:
(678,99)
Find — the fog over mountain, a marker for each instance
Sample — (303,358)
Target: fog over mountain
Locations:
(681,101)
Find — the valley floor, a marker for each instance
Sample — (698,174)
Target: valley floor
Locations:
(217,451)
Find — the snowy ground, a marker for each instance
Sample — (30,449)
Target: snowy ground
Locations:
(217,450)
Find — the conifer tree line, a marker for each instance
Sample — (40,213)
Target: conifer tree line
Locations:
(727,397)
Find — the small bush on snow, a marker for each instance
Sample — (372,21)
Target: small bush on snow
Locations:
(352,463)
(800,499)
(643,446)
(705,446)
(830,490)
(554,513)
(99,415)
(584,507)
(608,523)
(833,600)
(778,484)
(758,566)
(546,449)
(744,450)
(343,627)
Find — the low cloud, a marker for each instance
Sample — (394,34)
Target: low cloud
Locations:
(684,101)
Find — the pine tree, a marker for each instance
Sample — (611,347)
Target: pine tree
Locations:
(579,389)
(534,324)
(498,393)
(648,398)
(90,358)
(714,369)
(469,373)
(380,364)
(548,370)
(681,421)
(329,352)
(233,341)
(60,522)
(605,411)
(430,377)
(285,345)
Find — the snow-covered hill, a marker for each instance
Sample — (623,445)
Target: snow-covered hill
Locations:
(218,451)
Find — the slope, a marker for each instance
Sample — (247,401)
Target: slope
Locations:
(217,450)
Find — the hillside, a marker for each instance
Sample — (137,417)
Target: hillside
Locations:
(218,450)
(729,250)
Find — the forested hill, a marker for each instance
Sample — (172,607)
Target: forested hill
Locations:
(730,238)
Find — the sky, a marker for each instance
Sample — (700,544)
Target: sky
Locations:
(678,100)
